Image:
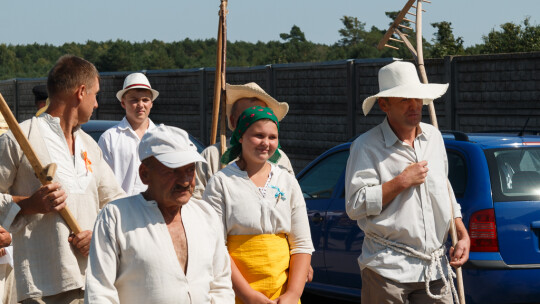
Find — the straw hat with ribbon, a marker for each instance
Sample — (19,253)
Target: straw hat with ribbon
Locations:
(250,90)
(400,79)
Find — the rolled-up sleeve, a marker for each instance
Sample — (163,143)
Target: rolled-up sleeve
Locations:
(363,188)
(9,163)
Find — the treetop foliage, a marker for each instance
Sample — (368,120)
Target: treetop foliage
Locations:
(356,41)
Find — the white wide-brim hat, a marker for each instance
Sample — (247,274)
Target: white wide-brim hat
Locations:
(250,90)
(170,146)
(400,79)
(136,81)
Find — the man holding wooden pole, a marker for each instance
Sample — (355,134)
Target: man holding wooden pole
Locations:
(50,261)
(396,189)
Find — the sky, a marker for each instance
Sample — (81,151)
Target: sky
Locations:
(61,21)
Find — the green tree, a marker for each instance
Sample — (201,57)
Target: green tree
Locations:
(513,38)
(353,31)
(296,48)
(445,43)
(295,35)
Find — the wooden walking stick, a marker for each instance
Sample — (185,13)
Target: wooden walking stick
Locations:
(219,83)
(44,174)
(418,55)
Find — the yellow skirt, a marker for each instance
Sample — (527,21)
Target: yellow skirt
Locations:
(263,260)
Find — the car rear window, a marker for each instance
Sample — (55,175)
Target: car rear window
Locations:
(515,173)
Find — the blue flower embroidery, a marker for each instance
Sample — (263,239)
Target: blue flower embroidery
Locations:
(279,194)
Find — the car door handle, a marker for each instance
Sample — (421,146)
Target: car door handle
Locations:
(317,218)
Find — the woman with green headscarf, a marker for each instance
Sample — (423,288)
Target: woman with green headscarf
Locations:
(264,214)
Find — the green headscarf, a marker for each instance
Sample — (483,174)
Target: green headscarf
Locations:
(246,119)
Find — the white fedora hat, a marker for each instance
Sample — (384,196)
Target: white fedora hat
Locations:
(250,90)
(400,79)
(136,81)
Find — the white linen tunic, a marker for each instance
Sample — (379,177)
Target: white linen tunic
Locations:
(212,156)
(245,211)
(45,263)
(418,217)
(132,258)
(120,146)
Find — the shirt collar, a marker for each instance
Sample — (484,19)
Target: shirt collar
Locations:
(54,123)
(390,137)
(124,124)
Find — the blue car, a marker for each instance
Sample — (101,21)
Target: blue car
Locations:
(496,180)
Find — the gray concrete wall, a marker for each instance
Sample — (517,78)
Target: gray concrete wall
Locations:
(486,92)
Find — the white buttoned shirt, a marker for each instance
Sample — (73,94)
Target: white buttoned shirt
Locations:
(120,146)
(132,257)
(418,217)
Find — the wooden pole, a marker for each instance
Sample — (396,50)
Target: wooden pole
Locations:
(44,174)
(217,79)
(433,117)
(223,93)
(420,59)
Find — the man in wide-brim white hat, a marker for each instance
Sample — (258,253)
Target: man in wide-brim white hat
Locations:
(239,98)
(119,143)
(396,189)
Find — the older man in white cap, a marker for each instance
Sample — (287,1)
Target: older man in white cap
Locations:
(396,189)
(162,245)
(119,144)
(239,98)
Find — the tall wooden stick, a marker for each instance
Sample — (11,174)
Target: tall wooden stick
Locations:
(219,83)
(217,80)
(44,174)
(223,125)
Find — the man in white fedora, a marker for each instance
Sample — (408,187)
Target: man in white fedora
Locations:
(119,144)
(396,189)
(187,261)
(239,98)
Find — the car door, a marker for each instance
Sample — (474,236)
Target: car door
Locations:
(344,243)
(320,182)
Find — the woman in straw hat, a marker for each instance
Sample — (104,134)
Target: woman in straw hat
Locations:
(263,212)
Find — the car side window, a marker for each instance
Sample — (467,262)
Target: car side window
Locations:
(457,172)
(321,179)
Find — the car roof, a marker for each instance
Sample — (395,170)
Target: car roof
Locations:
(99,125)
(495,140)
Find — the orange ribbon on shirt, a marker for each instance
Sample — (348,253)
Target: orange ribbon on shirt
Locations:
(87,162)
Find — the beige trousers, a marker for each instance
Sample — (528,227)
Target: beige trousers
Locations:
(378,289)
(8,293)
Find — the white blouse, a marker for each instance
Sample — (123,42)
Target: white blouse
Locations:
(244,210)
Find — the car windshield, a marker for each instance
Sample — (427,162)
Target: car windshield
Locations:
(515,173)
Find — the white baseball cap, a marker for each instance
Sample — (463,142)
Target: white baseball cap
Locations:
(136,81)
(170,145)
